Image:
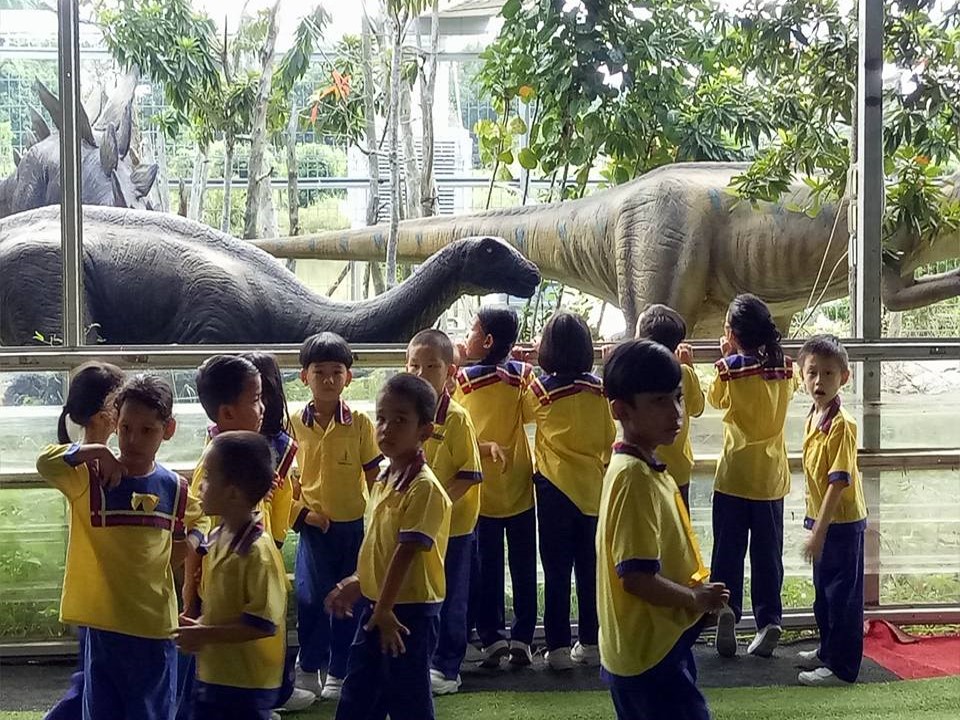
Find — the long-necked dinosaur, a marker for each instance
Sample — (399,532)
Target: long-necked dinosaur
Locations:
(675,235)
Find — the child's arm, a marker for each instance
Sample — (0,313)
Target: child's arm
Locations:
(57,462)
(658,590)
(370,475)
(383,618)
(693,399)
(842,446)
(466,456)
(192,636)
(497,453)
(813,548)
(718,396)
(370,454)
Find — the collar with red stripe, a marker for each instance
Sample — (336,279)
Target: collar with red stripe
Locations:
(410,472)
(242,541)
(443,405)
(342,415)
(625,448)
(825,422)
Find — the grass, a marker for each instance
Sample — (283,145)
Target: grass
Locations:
(915,700)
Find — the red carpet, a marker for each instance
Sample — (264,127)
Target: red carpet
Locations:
(910,657)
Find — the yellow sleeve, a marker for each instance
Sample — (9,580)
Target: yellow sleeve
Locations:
(842,446)
(466,451)
(264,596)
(425,511)
(528,405)
(56,466)
(719,394)
(693,399)
(370,455)
(611,434)
(280,507)
(633,515)
(203,524)
(193,517)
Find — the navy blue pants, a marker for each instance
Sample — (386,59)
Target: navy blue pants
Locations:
(735,520)
(70,706)
(521,532)
(376,684)
(838,607)
(667,690)
(128,678)
(220,702)
(567,544)
(452,644)
(323,560)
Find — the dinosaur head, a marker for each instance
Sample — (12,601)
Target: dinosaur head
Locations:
(493,265)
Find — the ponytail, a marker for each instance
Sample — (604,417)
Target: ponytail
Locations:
(752,325)
(63,437)
(502,324)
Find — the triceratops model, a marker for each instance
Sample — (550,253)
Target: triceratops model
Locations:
(108,174)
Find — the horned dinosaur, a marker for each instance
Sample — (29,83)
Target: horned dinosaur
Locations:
(675,235)
(154,278)
(109,173)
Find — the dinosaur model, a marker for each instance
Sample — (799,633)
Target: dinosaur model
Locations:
(109,174)
(153,278)
(675,235)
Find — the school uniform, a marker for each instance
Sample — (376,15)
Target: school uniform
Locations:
(678,456)
(413,508)
(118,582)
(645,649)
(830,456)
(332,463)
(751,481)
(492,394)
(453,455)
(575,432)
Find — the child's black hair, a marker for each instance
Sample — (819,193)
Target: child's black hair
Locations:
(325,347)
(503,325)
(246,462)
(436,339)
(640,366)
(566,347)
(753,327)
(220,380)
(276,415)
(90,387)
(663,325)
(826,346)
(151,391)
(415,389)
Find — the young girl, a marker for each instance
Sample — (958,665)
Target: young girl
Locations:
(90,405)
(492,390)
(753,387)
(575,435)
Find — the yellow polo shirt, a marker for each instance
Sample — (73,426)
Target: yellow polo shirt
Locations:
(414,509)
(452,454)
(332,463)
(118,575)
(829,456)
(244,580)
(754,401)
(575,432)
(493,395)
(678,456)
(643,527)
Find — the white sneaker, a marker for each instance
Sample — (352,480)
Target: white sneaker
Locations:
(494,654)
(300,699)
(274,715)
(588,655)
(765,641)
(726,632)
(331,688)
(821,677)
(809,659)
(520,653)
(474,655)
(440,685)
(559,659)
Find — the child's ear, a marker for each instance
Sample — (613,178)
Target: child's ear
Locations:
(349,378)
(169,428)
(452,369)
(487,341)
(303,376)
(616,407)
(844,377)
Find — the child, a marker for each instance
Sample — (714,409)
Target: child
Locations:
(90,405)
(239,639)
(400,572)
(492,392)
(665,326)
(118,581)
(650,591)
(575,432)
(338,459)
(836,513)
(454,457)
(753,387)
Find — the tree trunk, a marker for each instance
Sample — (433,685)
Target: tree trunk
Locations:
(157,149)
(372,271)
(411,174)
(293,193)
(228,145)
(393,118)
(198,184)
(258,139)
(428,90)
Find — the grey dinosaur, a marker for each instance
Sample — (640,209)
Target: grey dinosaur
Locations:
(153,278)
(675,235)
(109,174)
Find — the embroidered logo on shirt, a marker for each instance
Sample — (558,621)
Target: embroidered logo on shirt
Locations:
(144,501)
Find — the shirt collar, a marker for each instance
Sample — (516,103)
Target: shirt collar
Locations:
(241,543)
(625,448)
(443,404)
(408,475)
(342,415)
(825,422)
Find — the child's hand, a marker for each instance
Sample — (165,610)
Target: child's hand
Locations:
(606,351)
(318,520)
(813,547)
(685,354)
(726,347)
(531,355)
(710,596)
(341,600)
(191,638)
(391,632)
(460,353)
(496,453)
(109,469)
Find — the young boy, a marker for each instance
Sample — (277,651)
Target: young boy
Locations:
(454,456)
(651,593)
(338,459)
(240,637)
(836,513)
(666,326)
(118,581)
(400,572)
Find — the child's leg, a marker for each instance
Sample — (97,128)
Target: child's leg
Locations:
(490,611)
(585,571)
(70,706)
(452,644)
(841,572)
(731,524)
(766,561)
(363,696)
(522,558)
(557,517)
(219,702)
(820,609)
(129,677)
(408,676)
(313,579)
(346,539)
(186,681)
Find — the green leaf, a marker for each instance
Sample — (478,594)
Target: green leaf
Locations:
(510,9)
(516,125)
(528,159)
(506,157)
